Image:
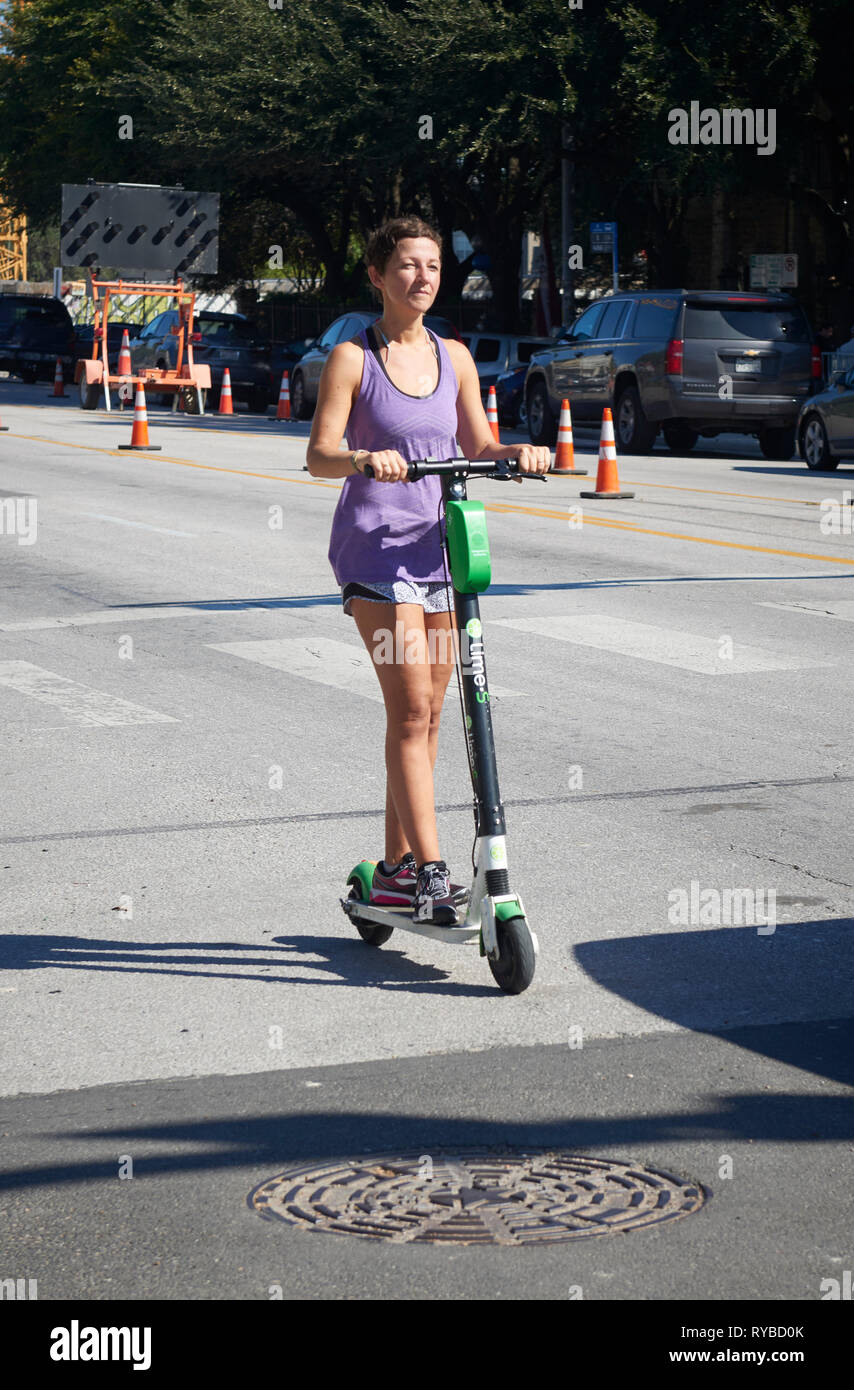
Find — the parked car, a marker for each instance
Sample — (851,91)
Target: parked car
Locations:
(221,340)
(688,362)
(826,424)
(306,375)
(495,353)
(510,396)
(35,330)
(115,333)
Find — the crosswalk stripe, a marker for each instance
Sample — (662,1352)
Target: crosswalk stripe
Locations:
(829,608)
(321,659)
(79,703)
(706,655)
(132,615)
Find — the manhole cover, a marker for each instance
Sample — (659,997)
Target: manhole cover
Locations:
(475,1197)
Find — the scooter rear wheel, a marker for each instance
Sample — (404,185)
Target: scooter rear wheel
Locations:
(373,933)
(514,969)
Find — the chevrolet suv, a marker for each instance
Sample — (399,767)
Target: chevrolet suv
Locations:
(687,362)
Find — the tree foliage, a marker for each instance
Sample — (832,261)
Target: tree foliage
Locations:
(314,120)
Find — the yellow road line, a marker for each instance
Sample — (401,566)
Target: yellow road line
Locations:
(490,506)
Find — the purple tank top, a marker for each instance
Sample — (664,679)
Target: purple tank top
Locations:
(387,531)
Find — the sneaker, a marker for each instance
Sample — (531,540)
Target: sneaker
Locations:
(433,900)
(398,888)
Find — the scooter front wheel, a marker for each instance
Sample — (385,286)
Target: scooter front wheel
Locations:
(514,969)
(374,934)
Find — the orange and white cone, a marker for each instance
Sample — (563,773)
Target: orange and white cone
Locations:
(607,477)
(125,365)
(226,406)
(139,433)
(492,414)
(58,382)
(283,409)
(565,451)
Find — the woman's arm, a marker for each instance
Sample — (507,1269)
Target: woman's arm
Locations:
(473,431)
(339,382)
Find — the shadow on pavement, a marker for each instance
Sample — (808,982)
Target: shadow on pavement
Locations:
(719,981)
(346,961)
(293,1132)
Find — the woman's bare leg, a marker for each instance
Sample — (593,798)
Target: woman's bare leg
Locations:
(396,637)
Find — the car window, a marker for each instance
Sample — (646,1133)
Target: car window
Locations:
(487,350)
(223,330)
(19,311)
(585,326)
(525,351)
(730,320)
(654,318)
(612,319)
(333,333)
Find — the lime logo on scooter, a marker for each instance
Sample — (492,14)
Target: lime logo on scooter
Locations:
(474,631)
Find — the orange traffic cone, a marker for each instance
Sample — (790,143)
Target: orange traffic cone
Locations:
(565,451)
(607,478)
(492,414)
(283,409)
(139,433)
(58,382)
(125,365)
(226,406)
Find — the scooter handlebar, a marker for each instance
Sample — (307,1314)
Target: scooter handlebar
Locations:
(499,469)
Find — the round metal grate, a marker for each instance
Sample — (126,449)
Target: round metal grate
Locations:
(475,1197)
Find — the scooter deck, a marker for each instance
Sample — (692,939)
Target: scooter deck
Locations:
(401,920)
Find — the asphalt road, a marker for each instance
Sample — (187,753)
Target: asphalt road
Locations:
(193,763)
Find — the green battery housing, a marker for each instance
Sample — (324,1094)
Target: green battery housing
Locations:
(468,546)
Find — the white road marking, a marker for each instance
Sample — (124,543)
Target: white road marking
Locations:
(78,703)
(833,608)
(663,645)
(320,659)
(142,525)
(128,615)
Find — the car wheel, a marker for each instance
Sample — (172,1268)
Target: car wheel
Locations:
(521,414)
(300,408)
(90,394)
(680,439)
(778,444)
(815,448)
(634,433)
(542,425)
(30,375)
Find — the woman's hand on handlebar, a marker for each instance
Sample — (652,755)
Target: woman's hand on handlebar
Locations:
(388,466)
(533,458)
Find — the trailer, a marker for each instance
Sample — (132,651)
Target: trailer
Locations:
(187,380)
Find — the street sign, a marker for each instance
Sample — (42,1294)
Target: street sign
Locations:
(602,236)
(773,272)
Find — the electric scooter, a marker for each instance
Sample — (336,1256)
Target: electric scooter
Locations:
(494,916)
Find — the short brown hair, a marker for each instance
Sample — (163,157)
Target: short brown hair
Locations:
(382,242)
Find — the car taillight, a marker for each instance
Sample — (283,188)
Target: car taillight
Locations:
(195,337)
(673,359)
(816,361)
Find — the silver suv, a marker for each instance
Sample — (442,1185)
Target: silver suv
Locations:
(687,362)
